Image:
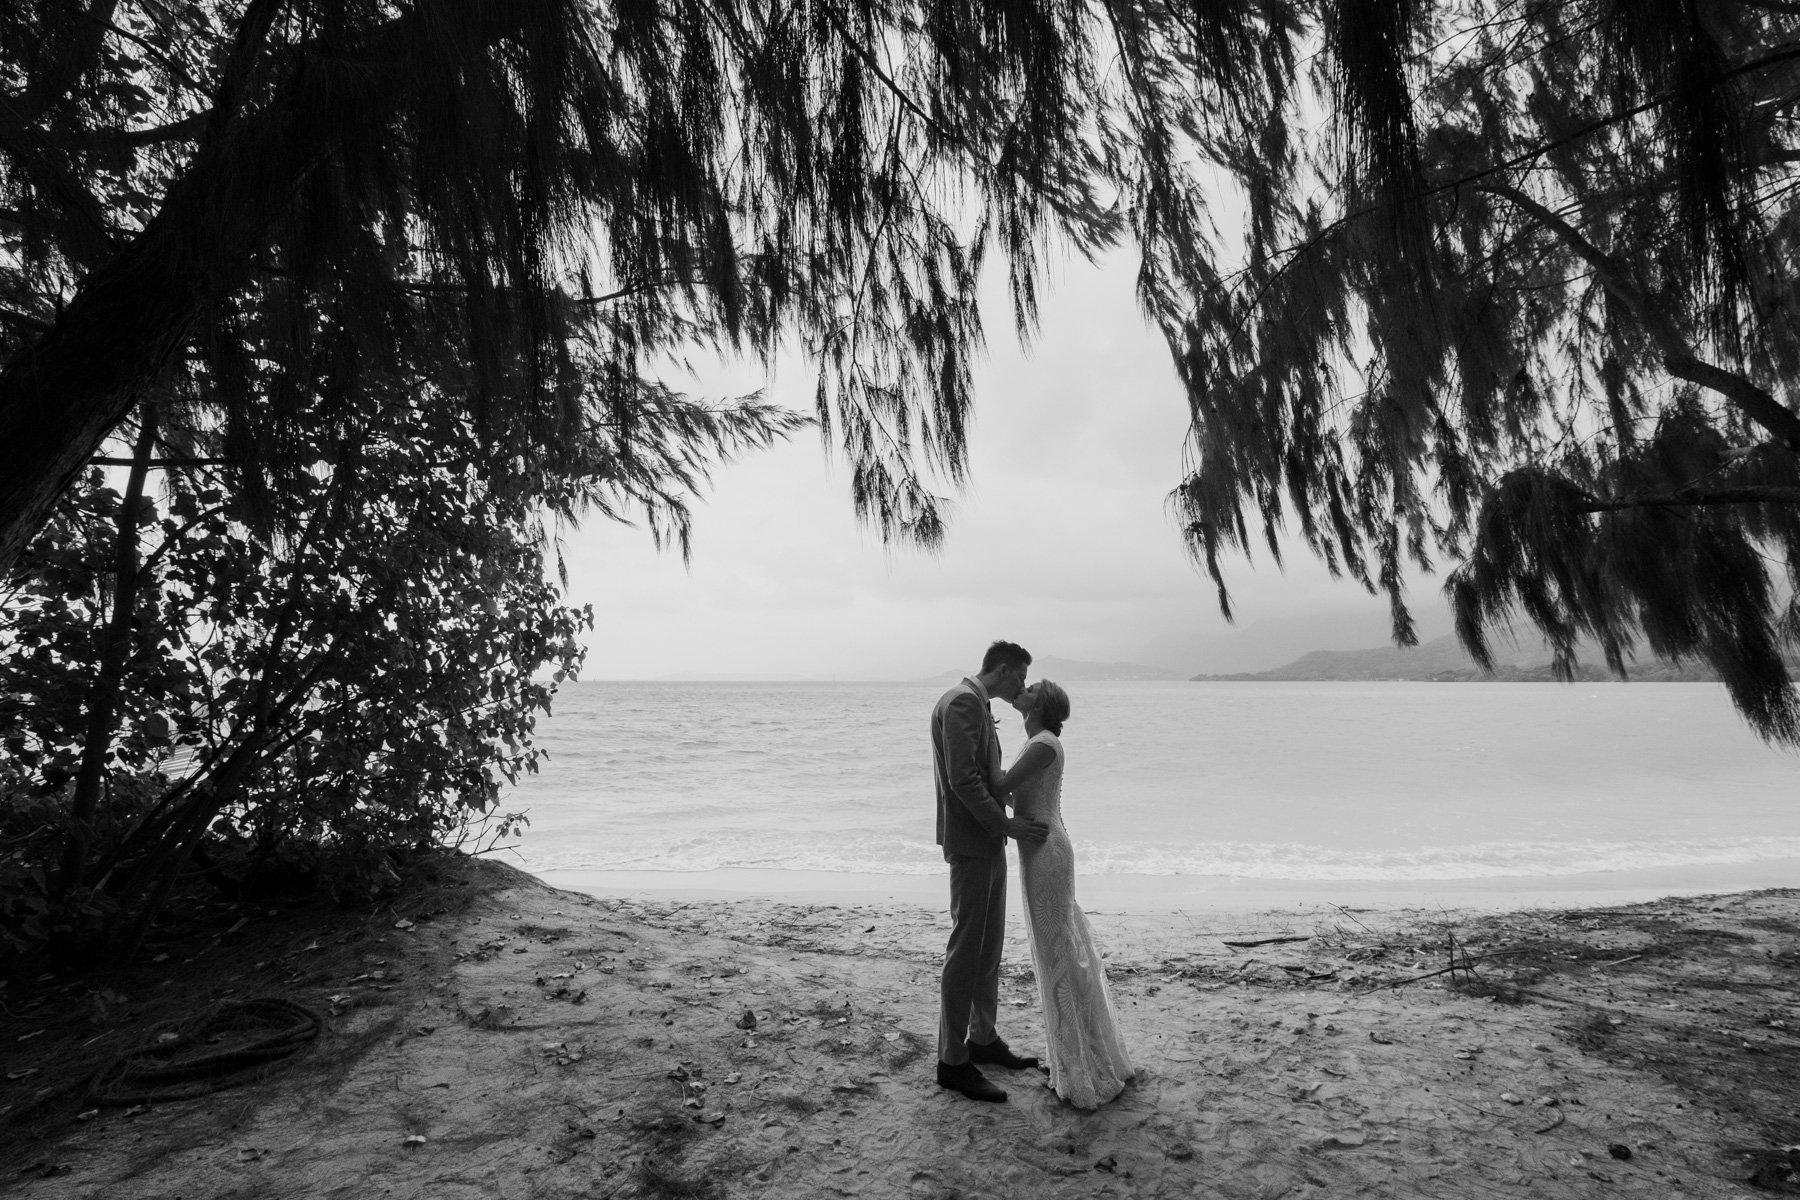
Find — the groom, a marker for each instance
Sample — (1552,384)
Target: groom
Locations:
(972,827)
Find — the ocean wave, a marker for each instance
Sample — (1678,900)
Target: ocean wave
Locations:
(1244,860)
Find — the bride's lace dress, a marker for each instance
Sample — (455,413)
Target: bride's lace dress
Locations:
(1087,1060)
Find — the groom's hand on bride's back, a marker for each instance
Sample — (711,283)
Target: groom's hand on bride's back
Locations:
(1024,829)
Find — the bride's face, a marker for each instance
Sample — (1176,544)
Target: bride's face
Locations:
(1026,701)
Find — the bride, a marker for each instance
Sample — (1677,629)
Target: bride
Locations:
(1087,1061)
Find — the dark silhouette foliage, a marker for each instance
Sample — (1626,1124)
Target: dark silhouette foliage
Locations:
(1533,318)
(686,175)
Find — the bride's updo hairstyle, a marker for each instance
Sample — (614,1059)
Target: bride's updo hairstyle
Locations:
(1053,706)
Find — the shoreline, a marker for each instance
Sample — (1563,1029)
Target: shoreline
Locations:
(1152,895)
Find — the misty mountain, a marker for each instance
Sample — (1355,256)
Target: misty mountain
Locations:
(1443,660)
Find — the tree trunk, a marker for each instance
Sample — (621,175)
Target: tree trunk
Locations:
(115,648)
(130,317)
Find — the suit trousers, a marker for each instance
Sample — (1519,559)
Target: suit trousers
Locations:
(969,998)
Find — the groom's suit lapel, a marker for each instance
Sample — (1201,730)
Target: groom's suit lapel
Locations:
(990,735)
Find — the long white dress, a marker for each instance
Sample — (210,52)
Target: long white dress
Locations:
(1087,1060)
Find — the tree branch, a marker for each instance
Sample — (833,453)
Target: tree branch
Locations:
(1695,499)
(161,462)
(1787,52)
(1678,355)
(187,127)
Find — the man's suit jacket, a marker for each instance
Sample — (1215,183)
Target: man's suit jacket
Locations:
(970,821)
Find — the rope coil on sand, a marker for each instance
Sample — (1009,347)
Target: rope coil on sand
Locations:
(233,1043)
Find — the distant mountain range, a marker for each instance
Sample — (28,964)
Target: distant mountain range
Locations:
(1443,660)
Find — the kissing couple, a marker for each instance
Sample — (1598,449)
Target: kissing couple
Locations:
(1086,1061)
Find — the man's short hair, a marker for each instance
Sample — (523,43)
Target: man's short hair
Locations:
(1005,654)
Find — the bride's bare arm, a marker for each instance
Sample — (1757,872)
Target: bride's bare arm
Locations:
(1036,757)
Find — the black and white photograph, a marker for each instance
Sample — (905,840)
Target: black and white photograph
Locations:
(722,599)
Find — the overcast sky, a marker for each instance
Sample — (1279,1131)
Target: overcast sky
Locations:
(1061,542)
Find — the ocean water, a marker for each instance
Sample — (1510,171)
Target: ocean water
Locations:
(1281,781)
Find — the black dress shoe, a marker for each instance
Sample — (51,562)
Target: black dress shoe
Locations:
(964,1078)
(1000,1054)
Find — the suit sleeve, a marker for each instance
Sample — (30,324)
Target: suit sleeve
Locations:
(966,762)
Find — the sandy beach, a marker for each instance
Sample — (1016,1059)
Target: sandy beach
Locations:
(487,1034)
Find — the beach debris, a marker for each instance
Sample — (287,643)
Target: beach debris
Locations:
(1620,1152)
(1108,1164)
(1509,1098)
(26,1037)
(710,1118)
(250,1153)
(747,1021)
(413,1139)
(1344,1140)
(89,1115)
(27,1073)
(1268,941)
(1177,1149)
(1380,1038)
(1556,1118)
(403,923)
(562,1054)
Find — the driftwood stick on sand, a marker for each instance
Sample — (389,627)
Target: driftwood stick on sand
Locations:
(1459,966)
(1270,941)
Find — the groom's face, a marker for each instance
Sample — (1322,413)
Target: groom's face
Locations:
(1012,682)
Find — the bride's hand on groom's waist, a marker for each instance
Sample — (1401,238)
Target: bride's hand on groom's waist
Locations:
(1024,829)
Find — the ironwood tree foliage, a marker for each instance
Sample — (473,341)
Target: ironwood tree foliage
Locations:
(1535,317)
(689,173)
